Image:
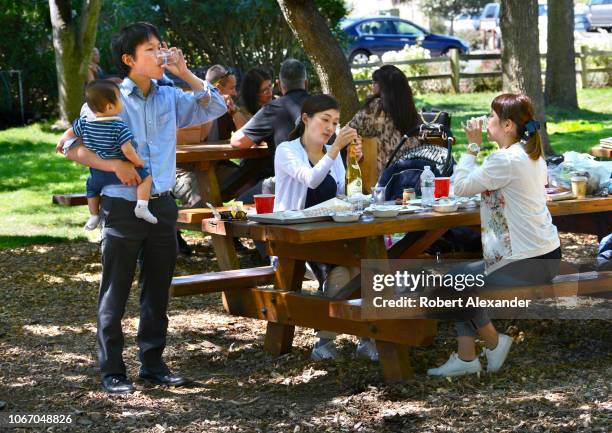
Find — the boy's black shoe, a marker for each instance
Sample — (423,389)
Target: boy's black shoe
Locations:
(164,379)
(117,384)
(183,247)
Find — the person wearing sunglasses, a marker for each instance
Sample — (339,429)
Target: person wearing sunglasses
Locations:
(224,80)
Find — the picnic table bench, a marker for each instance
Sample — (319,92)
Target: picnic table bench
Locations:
(285,307)
(76,199)
(212,282)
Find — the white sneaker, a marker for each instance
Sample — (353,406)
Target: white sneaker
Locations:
(324,351)
(366,348)
(92,222)
(497,356)
(456,367)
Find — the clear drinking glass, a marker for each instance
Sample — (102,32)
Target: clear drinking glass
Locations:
(472,121)
(378,194)
(165,57)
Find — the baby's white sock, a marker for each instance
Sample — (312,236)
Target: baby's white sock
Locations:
(92,222)
(142,211)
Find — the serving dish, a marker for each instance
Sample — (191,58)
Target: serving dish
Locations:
(445,206)
(345,217)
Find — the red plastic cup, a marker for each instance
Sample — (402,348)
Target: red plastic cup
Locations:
(264,203)
(441,186)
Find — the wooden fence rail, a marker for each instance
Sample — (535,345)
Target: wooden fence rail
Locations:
(455,74)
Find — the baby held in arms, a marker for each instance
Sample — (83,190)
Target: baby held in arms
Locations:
(110,138)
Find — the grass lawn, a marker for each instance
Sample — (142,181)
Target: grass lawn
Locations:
(577,130)
(30,170)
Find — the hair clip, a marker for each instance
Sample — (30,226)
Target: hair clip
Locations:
(532,126)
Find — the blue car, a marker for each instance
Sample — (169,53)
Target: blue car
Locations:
(376,35)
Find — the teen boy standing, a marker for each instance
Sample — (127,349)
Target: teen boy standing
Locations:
(152,113)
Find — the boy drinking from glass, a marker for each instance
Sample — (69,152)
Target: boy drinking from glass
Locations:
(153,113)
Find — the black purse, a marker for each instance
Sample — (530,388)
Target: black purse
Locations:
(442,118)
(435,143)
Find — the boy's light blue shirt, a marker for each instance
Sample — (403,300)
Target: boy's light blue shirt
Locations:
(154,119)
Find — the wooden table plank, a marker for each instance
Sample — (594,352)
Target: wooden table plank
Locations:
(197,214)
(601,152)
(192,153)
(325,231)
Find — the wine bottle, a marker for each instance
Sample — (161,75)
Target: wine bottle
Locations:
(353,173)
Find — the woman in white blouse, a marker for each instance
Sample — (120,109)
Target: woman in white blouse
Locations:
(519,241)
(309,172)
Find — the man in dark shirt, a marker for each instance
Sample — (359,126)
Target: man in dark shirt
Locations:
(273,122)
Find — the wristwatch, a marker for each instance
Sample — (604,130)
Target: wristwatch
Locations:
(473,148)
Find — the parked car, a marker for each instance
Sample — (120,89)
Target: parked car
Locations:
(542,15)
(491,12)
(600,14)
(489,17)
(464,22)
(582,23)
(377,35)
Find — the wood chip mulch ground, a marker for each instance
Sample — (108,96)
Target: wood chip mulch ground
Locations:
(558,377)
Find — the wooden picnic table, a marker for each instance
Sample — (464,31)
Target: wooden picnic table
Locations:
(284,307)
(200,159)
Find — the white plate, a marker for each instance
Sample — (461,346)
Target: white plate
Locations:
(345,217)
(385,213)
(409,209)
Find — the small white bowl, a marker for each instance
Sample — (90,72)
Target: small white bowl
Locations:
(445,207)
(385,213)
(345,217)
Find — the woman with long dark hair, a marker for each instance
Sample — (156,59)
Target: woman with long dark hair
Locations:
(256,90)
(388,113)
(309,172)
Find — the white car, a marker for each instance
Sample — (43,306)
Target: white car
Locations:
(600,14)
(463,22)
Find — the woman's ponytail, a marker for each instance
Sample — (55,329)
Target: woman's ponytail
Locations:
(297,131)
(532,139)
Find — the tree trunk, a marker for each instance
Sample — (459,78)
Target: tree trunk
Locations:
(317,40)
(73,41)
(521,71)
(560,57)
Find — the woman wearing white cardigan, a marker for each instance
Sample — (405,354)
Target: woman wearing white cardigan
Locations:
(309,172)
(519,241)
